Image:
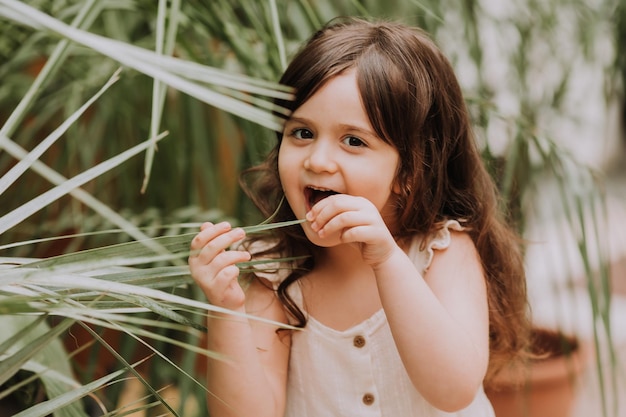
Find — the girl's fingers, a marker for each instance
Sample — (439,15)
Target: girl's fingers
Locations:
(213,240)
(205,225)
(207,233)
(218,278)
(325,210)
(225,279)
(341,222)
(228,258)
(214,267)
(218,245)
(338,212)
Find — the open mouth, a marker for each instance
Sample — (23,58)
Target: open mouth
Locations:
(314,195)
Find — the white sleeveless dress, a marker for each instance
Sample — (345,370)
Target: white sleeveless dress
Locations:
(358,372)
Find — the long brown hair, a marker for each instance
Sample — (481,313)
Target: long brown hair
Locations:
(414,102)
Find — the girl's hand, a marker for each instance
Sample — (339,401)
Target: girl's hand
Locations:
(351,219)
(214,267)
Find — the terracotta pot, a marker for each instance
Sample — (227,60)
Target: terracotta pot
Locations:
(543,387)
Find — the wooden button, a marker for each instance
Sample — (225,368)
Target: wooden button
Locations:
(368,399)
(359,341)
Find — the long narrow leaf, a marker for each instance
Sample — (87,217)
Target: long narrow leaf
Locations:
(19,214)
(131,368)
(20,335)
(90,201)
(172,244)
(52,279)
(158,96)
(279,35)
(13,363)
(56,384)
(93,233)
(135,58)
(50,67)
(84,16)
(16,171)
(45,408)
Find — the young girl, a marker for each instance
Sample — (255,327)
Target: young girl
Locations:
(411,290)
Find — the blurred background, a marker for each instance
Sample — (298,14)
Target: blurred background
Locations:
(544,81)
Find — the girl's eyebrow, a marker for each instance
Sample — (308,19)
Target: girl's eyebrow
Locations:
(297,120)
(363,130)
(345,126)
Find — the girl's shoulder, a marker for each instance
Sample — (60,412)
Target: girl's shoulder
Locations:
(422,248)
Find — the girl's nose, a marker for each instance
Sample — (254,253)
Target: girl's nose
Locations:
(321,158)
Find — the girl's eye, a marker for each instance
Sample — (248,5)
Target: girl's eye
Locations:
(302,134)
(353,141)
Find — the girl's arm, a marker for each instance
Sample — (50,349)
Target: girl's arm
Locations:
(440,324)
(251,378)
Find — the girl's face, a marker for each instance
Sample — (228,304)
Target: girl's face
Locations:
(330,147)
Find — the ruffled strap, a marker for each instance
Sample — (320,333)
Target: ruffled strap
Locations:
(440,240)
(273,272)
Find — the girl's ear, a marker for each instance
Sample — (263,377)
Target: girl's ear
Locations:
(397,188)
